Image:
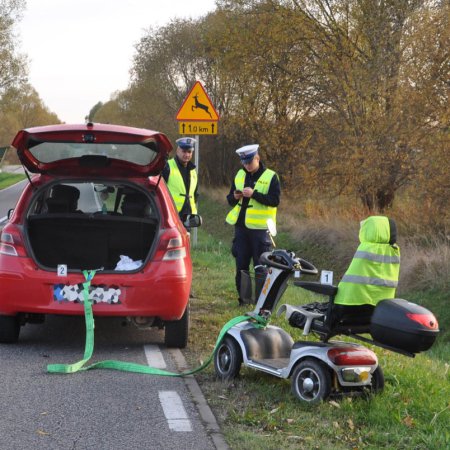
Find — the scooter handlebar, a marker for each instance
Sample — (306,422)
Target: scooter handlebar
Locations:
(307,267)
(281,259)
(268,259)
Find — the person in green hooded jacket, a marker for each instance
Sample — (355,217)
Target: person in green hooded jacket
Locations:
(373,273)
(371,277)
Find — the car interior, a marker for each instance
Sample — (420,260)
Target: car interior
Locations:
(88,225)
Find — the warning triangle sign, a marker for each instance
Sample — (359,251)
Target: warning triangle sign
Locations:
(197,106)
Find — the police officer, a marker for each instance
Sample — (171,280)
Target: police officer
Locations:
(181,177)
(254,196)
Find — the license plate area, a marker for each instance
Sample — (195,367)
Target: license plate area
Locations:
(100,293)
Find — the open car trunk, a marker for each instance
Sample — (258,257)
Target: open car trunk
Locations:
(105,224)
(89,242)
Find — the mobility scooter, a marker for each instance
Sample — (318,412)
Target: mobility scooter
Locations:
(319,369)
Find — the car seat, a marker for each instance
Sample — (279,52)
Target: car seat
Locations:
(134,205)
(64,199)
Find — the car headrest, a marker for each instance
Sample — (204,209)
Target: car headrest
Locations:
(64,191)
(56,205)
(134,205)
(64,198)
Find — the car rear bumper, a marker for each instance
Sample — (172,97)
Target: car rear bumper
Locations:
(161,290)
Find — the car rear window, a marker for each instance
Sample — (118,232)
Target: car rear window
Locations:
(113,199)
(140,154)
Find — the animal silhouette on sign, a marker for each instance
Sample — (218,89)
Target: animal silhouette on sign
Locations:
(200,105)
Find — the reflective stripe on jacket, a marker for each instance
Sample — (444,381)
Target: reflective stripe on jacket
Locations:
(256,214)
(374,271)
(177,188)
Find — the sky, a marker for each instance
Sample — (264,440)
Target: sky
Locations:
(80,51)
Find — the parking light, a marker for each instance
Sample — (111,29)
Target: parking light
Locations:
(356,374)
(11,242)
(170,247)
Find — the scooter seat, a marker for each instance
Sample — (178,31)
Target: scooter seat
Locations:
(318,288)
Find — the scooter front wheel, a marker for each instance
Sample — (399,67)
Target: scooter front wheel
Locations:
(227,359)
(311,381)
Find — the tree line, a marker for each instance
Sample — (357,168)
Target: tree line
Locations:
(20,104)
(347,98)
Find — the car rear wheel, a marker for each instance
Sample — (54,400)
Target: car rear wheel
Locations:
(9,329)
(176,332)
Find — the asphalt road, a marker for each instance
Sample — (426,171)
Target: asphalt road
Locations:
(9,197)
(96,409)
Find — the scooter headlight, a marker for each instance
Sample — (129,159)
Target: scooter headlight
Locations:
(355,374)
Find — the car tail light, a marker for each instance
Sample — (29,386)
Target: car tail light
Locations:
(11,242)
(351,356)
(171,247)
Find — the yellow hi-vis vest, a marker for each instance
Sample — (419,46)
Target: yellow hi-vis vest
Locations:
(373,273)
(256,214)
(178,189)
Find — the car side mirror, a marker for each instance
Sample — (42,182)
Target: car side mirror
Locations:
(103,189)
(192,220)
(10,213)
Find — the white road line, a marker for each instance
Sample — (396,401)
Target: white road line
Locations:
(154,357)
(3,219)
(174,411)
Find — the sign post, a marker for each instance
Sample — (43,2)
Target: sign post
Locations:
(197,116)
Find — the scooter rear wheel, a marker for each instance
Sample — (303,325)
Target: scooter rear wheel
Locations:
(377,384)
(227,359)
(311,381)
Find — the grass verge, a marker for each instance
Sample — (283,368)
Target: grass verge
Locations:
(258,411)
(8,179)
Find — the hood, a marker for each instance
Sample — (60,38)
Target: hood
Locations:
(375,229)
(92,149)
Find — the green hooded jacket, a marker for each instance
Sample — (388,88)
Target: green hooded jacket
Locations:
(373,273)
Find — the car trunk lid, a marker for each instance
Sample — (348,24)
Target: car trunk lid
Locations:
(92,149)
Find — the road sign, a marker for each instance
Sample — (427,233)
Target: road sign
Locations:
(197,127)
(197,106)
(3,153)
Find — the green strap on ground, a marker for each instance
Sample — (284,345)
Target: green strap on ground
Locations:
(128,366)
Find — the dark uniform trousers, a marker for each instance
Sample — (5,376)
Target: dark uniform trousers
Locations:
(247,245)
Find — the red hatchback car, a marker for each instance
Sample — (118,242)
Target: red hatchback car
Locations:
(96,201)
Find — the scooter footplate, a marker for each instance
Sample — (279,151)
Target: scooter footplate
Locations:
(274,363)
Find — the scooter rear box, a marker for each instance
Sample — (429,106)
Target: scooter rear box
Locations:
(403,325)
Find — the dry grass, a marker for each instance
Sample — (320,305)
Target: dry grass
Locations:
(426,268)
(424,237)
(425,260)
(329,231)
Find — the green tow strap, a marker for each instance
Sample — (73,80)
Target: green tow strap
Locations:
(127,366)
(89,320)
